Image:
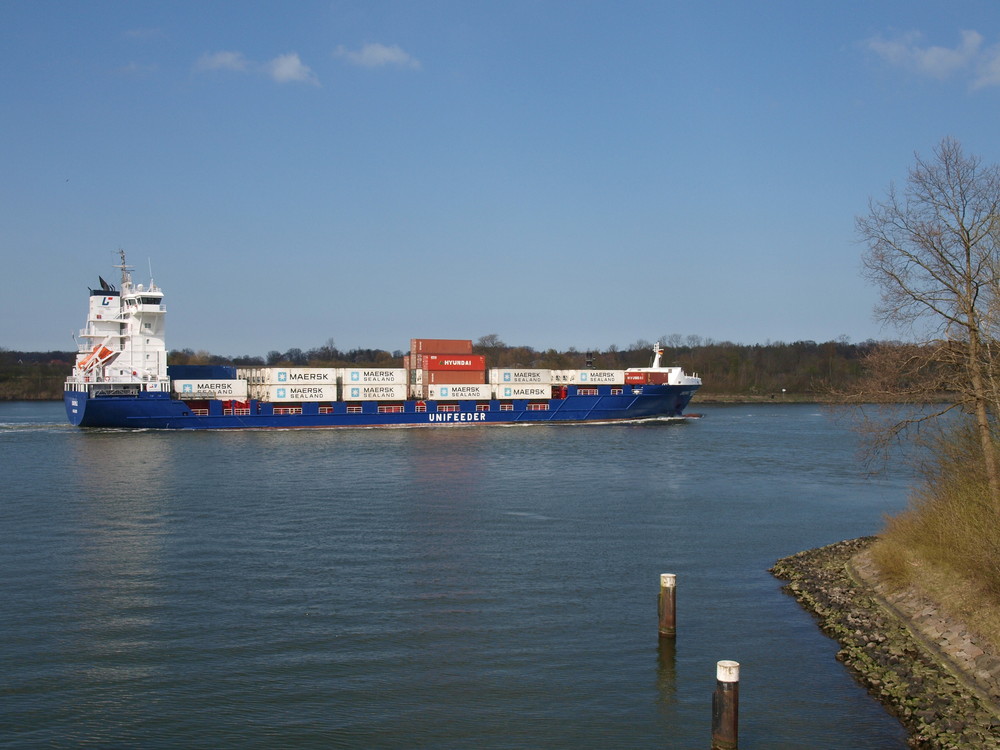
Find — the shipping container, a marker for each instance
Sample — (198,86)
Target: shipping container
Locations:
(281,375)
(513,375)
(636,378)
(202,372)
(521,390)
(293,392)
(451,362)
(219,390)
(373,392)
(373,376)
(440,346)
(588,377)
(465,377)
(457,392)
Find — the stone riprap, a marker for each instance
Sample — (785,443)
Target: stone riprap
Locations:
(940,680)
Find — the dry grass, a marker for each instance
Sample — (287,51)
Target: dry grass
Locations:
(947,545)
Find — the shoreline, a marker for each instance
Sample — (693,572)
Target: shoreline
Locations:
(928,670)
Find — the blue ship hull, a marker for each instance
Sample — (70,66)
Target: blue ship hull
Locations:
(152,410)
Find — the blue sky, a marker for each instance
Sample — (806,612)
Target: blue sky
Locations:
(559,173)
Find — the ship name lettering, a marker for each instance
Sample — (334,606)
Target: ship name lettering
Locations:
(456,416)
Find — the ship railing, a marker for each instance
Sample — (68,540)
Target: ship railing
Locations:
(105,389)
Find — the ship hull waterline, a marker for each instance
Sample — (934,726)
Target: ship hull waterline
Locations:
(152,410)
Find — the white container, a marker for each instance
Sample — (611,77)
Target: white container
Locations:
(516,375)
(294,392)
(458,392)
(369,392)
(220,390)
(297,375)
(373,376)
(588,377)
(522,390)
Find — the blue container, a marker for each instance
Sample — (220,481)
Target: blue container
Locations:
(201,372)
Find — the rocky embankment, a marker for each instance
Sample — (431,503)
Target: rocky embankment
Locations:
(939,680)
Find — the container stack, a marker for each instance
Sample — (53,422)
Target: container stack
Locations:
(510,383)
(643,377)
(446,370)
(291,384)
(373,383)
(216,390)
(207,382)
(588,377)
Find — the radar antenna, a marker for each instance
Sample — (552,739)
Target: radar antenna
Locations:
(125,269)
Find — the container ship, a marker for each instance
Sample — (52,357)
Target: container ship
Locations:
(121,379)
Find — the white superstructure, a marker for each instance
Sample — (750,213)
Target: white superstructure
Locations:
(656,373)
(122,345)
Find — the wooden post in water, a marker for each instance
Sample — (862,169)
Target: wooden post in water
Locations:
(726,706)
(668,605)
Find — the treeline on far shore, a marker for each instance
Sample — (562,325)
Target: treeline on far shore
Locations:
(801,370)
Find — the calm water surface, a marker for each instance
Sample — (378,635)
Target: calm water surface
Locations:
(450,587)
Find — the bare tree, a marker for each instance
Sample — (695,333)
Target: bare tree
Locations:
(933,253)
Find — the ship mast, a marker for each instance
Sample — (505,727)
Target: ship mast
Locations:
(125,269)
(657,352)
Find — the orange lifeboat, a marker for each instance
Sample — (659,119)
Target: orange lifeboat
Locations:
(99,354)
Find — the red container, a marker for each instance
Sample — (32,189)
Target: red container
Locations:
(636,378)
(453,362)
(659,378)
(440,346)
(453,377)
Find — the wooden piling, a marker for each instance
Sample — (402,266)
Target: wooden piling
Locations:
(668,605)
(726,706)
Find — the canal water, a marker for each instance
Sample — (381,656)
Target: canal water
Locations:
(452,587)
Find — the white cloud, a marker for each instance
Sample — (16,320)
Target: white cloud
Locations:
(376,55)
(907,51)
(288,68)
(223,61)
(988,73)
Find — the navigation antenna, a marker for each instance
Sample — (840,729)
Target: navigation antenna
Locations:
(125,268)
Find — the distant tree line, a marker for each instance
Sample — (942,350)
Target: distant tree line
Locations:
(29,376)
(801,367)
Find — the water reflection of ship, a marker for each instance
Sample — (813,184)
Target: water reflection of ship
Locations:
(118,558)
